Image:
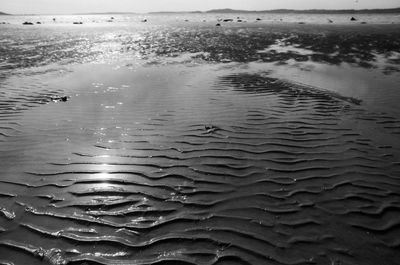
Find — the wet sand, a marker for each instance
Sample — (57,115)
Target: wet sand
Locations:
(224,155)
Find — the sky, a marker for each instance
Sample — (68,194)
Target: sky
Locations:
(142,6)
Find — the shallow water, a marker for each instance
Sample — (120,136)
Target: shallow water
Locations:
(187,145)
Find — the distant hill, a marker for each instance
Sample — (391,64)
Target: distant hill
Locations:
(4,14)
(311,11)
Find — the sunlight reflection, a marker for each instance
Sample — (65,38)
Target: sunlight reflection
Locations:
(105,181)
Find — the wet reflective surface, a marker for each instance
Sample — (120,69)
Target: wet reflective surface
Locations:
(272,144)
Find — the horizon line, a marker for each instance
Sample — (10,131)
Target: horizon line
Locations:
(217,10)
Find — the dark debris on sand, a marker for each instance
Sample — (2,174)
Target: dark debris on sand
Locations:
(210,128)
(60,99)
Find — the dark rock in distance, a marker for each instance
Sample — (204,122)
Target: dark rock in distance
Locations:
(27,23)
(227,20)
(218,25)
(77,23)
(258,19)
(38,22)
(144,20)
(353,19)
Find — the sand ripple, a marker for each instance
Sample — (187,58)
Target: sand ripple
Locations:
(254,170)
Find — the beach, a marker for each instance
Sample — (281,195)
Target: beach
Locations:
(177,141)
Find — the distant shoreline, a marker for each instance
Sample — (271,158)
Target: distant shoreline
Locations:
(312,11)
(234,11)
(291,11)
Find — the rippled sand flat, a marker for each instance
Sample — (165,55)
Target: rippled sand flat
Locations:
(204,146)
